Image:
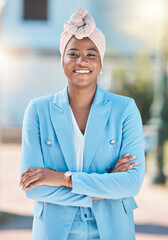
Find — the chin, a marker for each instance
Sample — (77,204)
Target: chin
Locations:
(82,83)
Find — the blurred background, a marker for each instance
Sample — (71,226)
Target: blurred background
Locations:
(135,65)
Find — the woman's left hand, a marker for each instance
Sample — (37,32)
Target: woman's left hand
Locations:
(33,177)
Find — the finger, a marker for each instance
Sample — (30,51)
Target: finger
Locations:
(125,160)
(29,181)
(27,175)
(127,166)
(121,158)
(128,159)
(28,170)
(24,177)
(34,184)
(30,177)
(125,155)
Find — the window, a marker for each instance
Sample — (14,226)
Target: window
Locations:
(35,9)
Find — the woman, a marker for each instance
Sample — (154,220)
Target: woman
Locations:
(79,146)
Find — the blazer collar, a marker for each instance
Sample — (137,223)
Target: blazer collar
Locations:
(62,101)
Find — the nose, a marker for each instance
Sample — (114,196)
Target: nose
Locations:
(81,59)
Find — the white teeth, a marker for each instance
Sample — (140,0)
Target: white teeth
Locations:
(82,71)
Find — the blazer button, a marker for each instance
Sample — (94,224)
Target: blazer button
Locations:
(112,142)
(48,143)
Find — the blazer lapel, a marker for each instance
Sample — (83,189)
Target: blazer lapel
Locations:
(61,120)
(98,117)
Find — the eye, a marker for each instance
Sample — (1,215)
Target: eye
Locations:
(91,55)
(73,54)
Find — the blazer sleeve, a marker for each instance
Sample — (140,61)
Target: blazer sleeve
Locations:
(31,156)
(121,184)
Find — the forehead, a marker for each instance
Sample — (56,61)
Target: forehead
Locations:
(81,44)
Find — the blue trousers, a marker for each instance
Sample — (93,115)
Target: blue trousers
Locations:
(84,226)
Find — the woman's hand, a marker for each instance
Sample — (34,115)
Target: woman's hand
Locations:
(123,164)
(33,177)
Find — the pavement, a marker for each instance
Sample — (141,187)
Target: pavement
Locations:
(151,218)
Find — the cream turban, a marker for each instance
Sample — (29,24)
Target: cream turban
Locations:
(81,25)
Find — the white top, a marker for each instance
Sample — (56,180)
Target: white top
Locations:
(79,143)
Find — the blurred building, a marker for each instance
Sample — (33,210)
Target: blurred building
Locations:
(30,58)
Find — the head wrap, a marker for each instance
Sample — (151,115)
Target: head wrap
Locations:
(81,25)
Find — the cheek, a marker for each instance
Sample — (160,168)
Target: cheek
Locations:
(67,66)
(68,62)
(97,68)
(96,63)
(64,62)
(66,59)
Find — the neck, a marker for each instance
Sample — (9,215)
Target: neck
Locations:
(81,97)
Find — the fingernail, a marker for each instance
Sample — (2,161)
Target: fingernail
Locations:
(131,166)
(133,156)
(127,154)
(137,163)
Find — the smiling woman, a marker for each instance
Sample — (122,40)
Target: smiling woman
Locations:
(82,148)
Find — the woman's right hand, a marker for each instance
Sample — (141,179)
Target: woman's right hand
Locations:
(124,163)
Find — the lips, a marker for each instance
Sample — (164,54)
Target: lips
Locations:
(82,71)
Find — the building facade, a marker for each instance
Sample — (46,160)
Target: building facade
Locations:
(29,54)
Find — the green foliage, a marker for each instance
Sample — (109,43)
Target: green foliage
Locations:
(135,81)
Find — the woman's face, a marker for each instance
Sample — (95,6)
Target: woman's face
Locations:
(81,62)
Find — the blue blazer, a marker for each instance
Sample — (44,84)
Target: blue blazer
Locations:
(47,141)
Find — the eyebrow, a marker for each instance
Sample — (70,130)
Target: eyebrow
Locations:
(92,49)
(75,49)
(72,49)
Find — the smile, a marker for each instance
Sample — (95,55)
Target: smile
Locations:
(81,71)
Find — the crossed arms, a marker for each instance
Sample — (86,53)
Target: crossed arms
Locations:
(47,185)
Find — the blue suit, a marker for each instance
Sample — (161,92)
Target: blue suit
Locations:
(112,117)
